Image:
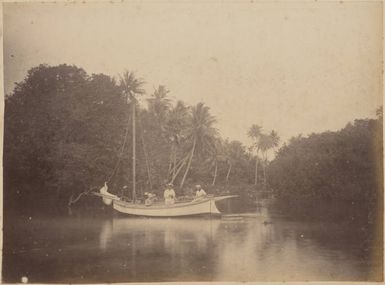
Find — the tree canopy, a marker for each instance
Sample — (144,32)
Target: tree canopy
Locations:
(66,132)
(341,169)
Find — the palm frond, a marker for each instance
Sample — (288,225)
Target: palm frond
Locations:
(131,85)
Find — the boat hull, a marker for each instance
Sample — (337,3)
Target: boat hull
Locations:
(201,207)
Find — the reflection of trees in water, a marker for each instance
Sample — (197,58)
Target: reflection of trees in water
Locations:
(251,250)
(243,249)
(239,249)
(331,247)
(349,242)
(231,248)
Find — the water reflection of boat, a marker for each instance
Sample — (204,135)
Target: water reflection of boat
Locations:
(201,226)
(169,232)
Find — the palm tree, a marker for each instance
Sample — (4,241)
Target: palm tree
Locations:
(228,158)
(274,139)
(131,87)
(255,133)
(216,155)
(175,128)
(201,132)
(159,104)
(266,143)
(264,146)
(234,152)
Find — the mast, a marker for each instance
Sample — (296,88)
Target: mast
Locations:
(133,151)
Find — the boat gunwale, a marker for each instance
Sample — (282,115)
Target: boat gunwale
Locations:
(162,206)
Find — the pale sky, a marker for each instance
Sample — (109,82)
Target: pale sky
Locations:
(295,67)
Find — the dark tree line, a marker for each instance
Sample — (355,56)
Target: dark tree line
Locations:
(332,174)
(67,132)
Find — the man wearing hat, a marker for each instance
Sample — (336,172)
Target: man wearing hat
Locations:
(169,194)
(200,193)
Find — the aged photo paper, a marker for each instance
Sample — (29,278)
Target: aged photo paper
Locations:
(192,141)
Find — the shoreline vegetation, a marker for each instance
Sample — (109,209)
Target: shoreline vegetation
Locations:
(65,132)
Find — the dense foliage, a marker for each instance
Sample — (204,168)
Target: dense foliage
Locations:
(338,174)
(67,132)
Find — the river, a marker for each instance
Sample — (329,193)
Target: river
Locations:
(253,246)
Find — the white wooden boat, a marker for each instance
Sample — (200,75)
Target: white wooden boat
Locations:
(196,207)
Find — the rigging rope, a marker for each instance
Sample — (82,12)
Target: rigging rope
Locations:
(114,171)
(121,152)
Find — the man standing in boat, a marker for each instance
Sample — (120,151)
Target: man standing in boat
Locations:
(169,194)
(200,193)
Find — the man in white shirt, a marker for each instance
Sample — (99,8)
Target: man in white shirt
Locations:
(200,193)
(169,195)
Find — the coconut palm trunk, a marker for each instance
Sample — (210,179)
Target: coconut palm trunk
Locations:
(174,160)
(133,152)
(188,164)
(264,169)
(181,164)
(228,172)
(256,171)
(170,165)
(176,166)
(215,173)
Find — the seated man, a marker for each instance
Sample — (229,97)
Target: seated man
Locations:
(200,193)
(150,198)
(169,194)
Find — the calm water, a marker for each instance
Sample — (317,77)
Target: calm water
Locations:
(249,247)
